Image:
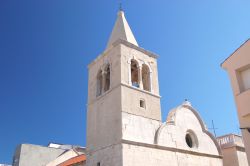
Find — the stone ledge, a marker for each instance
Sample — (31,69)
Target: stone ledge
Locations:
(126,43)
(170,149)
(140,90)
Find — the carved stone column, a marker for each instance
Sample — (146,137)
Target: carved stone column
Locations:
(140,77)
(129,73)
(103,80)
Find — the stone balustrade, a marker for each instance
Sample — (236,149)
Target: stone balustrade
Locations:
(230,140)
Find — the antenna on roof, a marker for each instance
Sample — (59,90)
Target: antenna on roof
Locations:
(213,128)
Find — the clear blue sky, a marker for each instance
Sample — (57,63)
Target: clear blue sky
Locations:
(45,46)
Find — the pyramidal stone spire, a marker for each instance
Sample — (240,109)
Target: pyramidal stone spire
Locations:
(122,31)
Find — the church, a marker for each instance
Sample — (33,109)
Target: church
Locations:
(124,126)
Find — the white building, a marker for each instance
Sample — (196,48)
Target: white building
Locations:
(124,125)
(51,155)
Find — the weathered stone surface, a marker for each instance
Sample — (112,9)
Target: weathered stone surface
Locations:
(124,123)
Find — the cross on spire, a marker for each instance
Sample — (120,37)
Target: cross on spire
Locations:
(120,6)
(121,30)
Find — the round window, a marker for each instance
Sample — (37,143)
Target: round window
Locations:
(191,139)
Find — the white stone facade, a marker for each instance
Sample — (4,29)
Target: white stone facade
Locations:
(146,156)
(124,126)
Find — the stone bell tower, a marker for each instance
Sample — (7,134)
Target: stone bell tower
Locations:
(123,98)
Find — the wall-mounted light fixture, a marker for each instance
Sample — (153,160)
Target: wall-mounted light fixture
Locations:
(245,128)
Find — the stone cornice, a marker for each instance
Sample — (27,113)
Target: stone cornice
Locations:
(140,90)
(155,146)
(126,43)
(120,85)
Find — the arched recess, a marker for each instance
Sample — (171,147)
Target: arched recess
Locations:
(107,77)
(134,70)
(146,78)
(99,83)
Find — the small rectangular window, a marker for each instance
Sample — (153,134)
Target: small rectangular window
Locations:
(142,103)
(245,76)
